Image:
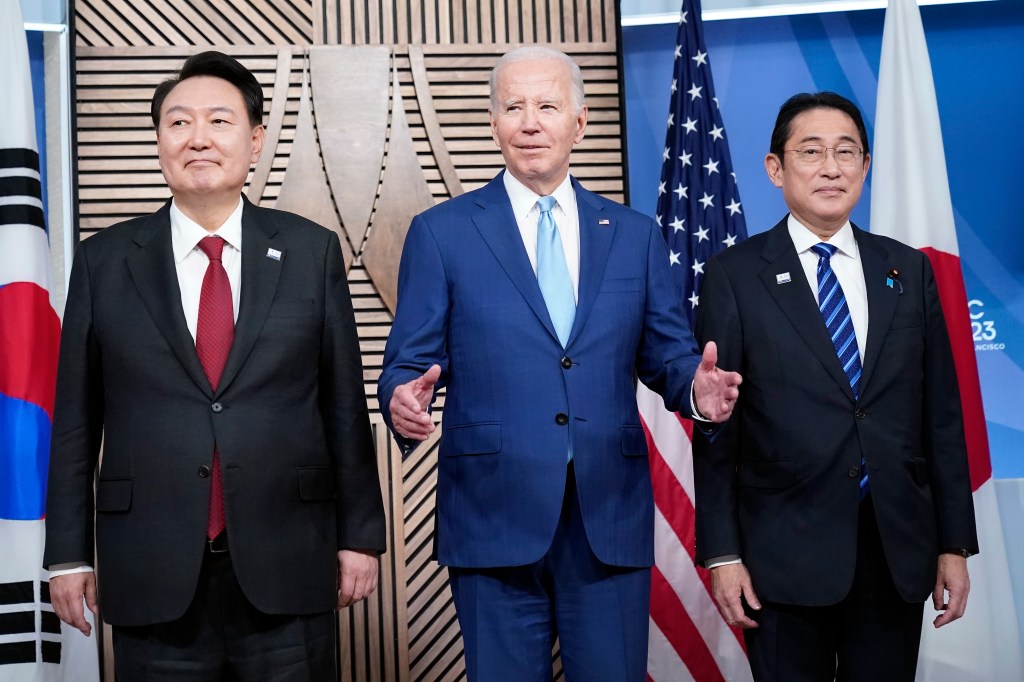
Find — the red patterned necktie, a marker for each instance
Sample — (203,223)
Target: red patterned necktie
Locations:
(214,333)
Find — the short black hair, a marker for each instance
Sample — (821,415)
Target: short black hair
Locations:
(805,101)
(217,65)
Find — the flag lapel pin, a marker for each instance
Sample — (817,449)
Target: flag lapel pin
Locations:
(782,278)
(274,253)
(604,221)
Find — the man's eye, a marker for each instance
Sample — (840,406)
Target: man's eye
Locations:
(810,152)
(846,153)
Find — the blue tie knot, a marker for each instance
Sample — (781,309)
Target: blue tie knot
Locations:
(546,204)
(824,250)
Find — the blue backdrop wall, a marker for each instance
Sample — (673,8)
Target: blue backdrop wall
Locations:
(977,55)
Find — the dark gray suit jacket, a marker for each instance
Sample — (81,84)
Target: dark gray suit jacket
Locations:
(289,420)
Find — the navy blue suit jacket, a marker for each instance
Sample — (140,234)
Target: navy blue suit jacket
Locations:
(468,300)
(779,484)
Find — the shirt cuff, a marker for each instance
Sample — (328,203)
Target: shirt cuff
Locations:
(69,568)
(724,560)
(697,416)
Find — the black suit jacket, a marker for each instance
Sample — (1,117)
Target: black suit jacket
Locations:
(779,484)
(289,420)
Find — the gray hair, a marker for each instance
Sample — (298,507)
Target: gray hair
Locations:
(532,53)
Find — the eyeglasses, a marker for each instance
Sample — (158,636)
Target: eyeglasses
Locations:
(815,154)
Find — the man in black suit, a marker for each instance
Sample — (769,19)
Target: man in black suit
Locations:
(838,497)
(211,347)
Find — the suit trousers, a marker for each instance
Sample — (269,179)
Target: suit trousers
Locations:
(511,616)
(223,637)
(872,635)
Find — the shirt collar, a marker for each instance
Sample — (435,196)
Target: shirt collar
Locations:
(524,199)
(186,233)
(804,239)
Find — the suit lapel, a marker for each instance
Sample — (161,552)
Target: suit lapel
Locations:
(152,270)
(260,275)
(881,299)
(797,301)
(497,225)
(595,246)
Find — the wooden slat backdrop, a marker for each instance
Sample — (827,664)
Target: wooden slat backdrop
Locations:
(442,51)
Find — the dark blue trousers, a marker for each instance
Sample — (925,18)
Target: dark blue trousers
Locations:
(511,616)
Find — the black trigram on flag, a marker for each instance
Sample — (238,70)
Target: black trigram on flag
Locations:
(28,634)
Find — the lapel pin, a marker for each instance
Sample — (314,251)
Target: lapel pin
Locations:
(892,279)
(782,278)
(274,253)
(604,221)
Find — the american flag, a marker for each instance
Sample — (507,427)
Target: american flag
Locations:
(700,214)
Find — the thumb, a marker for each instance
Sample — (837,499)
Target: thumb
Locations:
(710,357)
(430,377)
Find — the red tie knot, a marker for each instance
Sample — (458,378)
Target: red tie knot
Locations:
(212,247)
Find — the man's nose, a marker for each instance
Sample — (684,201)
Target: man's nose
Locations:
(531,118)
(200,137)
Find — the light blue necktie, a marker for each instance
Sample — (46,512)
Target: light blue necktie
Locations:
(836,313)
(553,273)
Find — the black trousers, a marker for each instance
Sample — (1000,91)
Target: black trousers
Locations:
(870,636)
(223,637)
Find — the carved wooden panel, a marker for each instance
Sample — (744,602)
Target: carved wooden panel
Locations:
(374,110)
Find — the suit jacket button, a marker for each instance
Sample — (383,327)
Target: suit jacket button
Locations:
(204,471)
(853,472)
(217,407)
(860,414)
(566,363)
(561,419)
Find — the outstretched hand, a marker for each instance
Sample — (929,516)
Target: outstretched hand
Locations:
(409,405)
(715,390)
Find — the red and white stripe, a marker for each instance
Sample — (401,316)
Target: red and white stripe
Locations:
(689,639)
(911,202)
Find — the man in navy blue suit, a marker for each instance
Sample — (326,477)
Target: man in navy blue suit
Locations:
(534,301)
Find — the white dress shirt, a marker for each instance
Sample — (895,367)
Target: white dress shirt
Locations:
(565,213)
(845,263)
(190,263)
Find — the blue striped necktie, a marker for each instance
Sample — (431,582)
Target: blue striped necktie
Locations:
(553,273)
(836,313)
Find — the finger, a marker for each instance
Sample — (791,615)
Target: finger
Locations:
(938,603)
(345,592)
(78,620)
(405,399)
(748,594)
(90,595)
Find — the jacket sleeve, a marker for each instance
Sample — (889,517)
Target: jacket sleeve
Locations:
(668,355)
(77,427)
(714,460)
(360,509)
(419,334)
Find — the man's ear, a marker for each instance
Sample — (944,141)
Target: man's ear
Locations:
(773,166)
